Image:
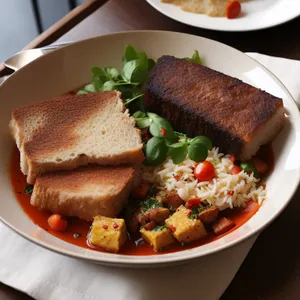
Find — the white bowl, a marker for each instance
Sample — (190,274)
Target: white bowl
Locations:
(69,68)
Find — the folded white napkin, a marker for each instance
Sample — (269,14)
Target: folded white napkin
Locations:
(50,276)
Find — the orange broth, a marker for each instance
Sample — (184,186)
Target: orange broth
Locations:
(134,244)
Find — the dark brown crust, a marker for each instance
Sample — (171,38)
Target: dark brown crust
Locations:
(63,112)
(77,179)
(200,101)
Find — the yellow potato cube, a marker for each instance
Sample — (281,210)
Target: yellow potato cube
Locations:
(108,233)
(158,239)
(185,229)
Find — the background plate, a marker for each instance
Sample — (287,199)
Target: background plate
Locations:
(256,14)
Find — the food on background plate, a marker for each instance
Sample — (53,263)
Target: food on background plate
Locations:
(214,8)
(66,132)
(184,193)
(85,192)
(197,100)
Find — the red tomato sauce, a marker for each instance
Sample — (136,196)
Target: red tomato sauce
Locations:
(134,245)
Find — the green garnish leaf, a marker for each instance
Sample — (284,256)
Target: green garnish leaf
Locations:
(156,151)
(139,114)
(195,58)
(149,204)
(197,151)
(151,64)
(130,54)
(178,152)
(28,190)
(249,167)
(113,73)
(157,124)
(160,227)
(109,86)
(196,211)
(143,122)
(204,140)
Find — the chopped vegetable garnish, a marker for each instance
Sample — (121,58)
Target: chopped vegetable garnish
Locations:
(29,189)
(57,222)
(235,170)
(76,235)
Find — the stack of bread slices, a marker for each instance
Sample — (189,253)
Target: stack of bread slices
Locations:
(81,152)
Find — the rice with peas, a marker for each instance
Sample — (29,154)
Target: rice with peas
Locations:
(224,191)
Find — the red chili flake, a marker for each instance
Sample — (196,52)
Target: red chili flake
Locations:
(264,186)
(195,202)
(177,177)
(163,131)
(230,193)
(115,225)
(189,213)
(104,226)
(232,158)
(172,228)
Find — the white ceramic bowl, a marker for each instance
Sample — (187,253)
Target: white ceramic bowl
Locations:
(69,68)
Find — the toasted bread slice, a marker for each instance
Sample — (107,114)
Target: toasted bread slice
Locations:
(197,100)
(69,131)
(85,192)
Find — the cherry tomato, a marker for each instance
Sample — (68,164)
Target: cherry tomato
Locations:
(235,170)
(233,9)
(140,192)
(57,222)
(232,158)
(195,202)
(204,171)
(260,165)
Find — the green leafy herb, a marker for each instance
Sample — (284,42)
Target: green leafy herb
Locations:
(203,140)
(29,189)
(195,212)
(197,151)
(178,152)
(156,151)
(150,204)
(248,167)
(195,58)
(158,228)
(184,244)
(157,124)
(130,54)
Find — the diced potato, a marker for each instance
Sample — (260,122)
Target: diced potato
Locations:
(185,229)
(108,233)
(158,239)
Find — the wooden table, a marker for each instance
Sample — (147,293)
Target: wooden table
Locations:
(272,268)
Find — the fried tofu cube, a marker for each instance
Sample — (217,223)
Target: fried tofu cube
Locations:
(158,238)
(108,233)
(185,229)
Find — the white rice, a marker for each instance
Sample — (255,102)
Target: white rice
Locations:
(180,178)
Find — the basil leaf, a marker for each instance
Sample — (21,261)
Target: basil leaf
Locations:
(97,83)
(178,152)
(197,151)
(129,69)
(130,53)
(204,140)
(108,86)
(156,151)
(113,73)
(82,92)
(100,73)
(90,88)
(195,58)
(151,64)
(139,114)
(142,122)
(158,123)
